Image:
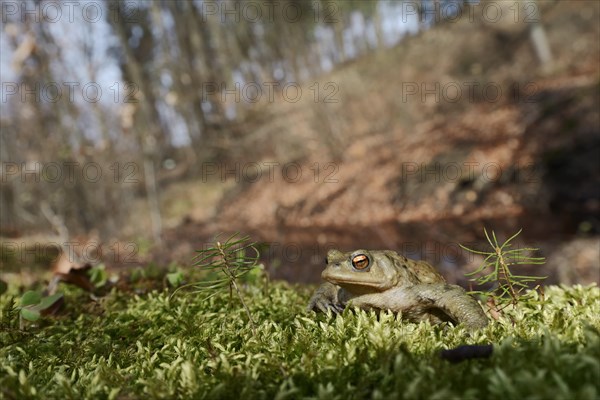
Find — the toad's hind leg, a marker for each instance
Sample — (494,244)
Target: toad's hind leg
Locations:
(454,302)
(438,316)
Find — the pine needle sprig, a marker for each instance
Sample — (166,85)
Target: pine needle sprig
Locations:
(231,259)
(497,268)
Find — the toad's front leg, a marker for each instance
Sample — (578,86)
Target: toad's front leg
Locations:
(326,298)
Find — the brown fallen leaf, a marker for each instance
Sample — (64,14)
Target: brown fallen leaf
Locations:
(78,277)
(54,306)
(493,307)
(72,272)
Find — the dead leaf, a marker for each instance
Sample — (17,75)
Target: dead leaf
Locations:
(494,312)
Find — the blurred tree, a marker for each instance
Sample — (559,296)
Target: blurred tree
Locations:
(150,138)
(537,32)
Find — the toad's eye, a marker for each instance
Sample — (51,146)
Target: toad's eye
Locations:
(360,261)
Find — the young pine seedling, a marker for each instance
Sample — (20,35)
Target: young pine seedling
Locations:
(230,260)
(498,269)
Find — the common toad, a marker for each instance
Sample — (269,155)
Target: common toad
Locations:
(386,280)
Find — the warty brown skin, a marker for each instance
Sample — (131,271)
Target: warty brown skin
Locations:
(386,280)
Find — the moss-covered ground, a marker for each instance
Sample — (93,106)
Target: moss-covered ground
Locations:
(127,346)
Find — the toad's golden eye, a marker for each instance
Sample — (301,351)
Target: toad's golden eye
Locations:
(360,261)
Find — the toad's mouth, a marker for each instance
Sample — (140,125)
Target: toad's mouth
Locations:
(354,283)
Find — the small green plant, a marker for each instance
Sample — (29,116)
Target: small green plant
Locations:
(230,259)
(34,304)
(497,269)
(9,323)
(98,275)
(174,279)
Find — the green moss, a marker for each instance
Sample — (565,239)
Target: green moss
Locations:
(152,347)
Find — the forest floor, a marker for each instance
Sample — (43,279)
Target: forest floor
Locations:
(155,346)
(381,168)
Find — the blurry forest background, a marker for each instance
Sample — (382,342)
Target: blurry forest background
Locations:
(149,127)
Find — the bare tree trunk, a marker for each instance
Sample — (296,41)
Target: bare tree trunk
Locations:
(378,25)
(537,33)
(146,131)
(338,27)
